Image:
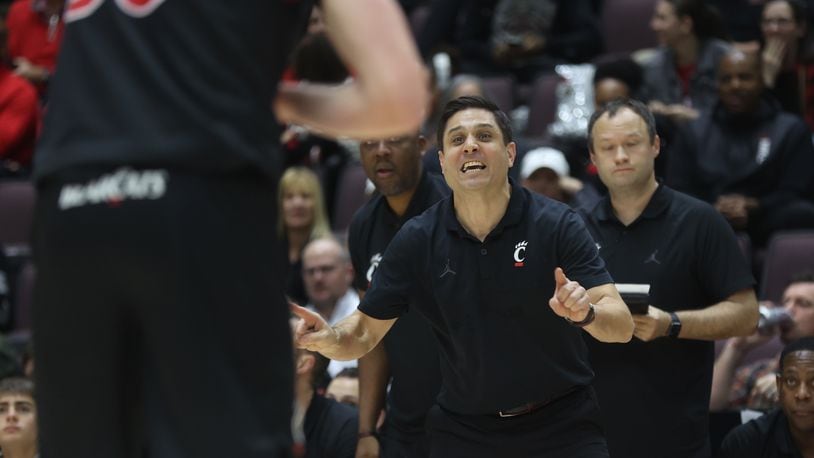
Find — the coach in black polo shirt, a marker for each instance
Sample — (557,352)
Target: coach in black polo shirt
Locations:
(479,267)
(654,391)
(408,356)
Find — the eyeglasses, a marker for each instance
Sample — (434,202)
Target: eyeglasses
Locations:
(324,270)
(778,21)
(392,142)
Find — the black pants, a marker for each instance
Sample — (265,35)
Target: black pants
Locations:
(567,428)
(160,326)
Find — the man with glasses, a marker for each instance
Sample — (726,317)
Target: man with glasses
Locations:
(407,358)
(327,274)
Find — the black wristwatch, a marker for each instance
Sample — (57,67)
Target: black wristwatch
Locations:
(675,326)
(589,318)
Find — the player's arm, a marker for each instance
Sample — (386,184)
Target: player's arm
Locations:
(611,321)
(388,94)
(737,315)
(349,339)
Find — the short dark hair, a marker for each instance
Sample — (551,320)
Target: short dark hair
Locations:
(623,69)
(805,276)
(706,19)
(17,385)
(476,102)
(801,344)
(611,108)
(348,372)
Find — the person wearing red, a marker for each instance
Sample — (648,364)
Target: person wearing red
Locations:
(34,36)
(19,113)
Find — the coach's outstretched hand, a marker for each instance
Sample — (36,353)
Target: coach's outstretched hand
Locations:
(570,299)
(311,331)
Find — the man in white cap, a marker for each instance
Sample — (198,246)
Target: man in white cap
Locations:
(545,171)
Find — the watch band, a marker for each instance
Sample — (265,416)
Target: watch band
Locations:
(675,326)
(589,318)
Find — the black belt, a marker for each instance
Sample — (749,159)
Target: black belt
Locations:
(533,406)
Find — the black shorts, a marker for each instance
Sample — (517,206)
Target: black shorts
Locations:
(160,325)
(567,428)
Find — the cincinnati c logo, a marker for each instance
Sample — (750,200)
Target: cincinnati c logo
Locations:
(520,253)
(374,263)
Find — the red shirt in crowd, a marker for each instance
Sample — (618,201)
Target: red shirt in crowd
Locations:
(34,35)
(19,118)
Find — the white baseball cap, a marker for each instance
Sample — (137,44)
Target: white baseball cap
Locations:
(544,157)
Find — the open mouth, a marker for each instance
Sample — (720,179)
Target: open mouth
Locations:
(472,165)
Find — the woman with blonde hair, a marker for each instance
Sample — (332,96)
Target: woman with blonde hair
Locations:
(302,218)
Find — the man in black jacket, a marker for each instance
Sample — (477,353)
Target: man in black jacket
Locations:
(752,161)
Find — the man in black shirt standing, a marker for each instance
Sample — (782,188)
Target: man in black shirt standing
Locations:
(159,310)
(407,359)
(478,266)
(654,391)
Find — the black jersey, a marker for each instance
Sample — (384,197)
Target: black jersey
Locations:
(176,83)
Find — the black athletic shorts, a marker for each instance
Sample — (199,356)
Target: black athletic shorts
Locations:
(160,325)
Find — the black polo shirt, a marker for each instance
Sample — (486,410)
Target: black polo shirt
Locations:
(689,255)
(501,344)
(764,437)
(410,345)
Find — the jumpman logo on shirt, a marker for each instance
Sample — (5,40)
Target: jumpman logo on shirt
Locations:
(447,270)
(652,258)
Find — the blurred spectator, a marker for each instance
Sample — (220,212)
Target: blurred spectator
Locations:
(753,386)
(520,37)
(315,61)
(545,171)
(345,387)
(35,30)
(680,78)
(328,275)
(19,114)
(18,413)
(617,78)
(746,156)
(316,23)
(788,57)
(302,218)
(788,431)
(325,426)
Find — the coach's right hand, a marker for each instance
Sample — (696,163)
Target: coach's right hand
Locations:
(312,332)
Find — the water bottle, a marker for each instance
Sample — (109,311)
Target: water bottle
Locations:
(770,317)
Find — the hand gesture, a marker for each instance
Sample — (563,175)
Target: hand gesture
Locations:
(764,393)
(311,331)
(735,208)
(774,52)
(570,299)
(651,326)
(367,447)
